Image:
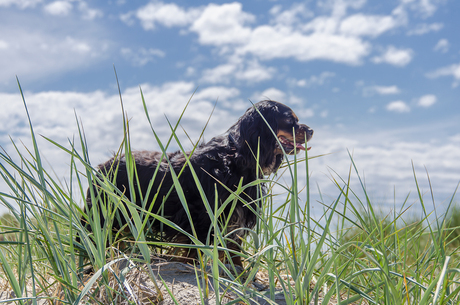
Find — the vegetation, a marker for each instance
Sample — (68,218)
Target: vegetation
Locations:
(352,255)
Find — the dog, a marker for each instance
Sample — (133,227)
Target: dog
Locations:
(250,149)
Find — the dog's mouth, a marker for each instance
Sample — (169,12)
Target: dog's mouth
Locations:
(289,146)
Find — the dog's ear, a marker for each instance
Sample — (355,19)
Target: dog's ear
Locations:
(257,129)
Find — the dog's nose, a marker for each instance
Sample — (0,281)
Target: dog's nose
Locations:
(307,129)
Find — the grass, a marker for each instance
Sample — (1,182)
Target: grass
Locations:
(352,255)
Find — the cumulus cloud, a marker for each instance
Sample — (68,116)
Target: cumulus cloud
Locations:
(387,168)
(442,46)
(166,14)
(220,74)
(87,12)
(22,4)
(142,56)
(288,34)
(398,106)
(314,80)
(255,72)
(53,115)
(394,56)
(367,25)
(452,70)
(425,28)
(223,24)
(236,69)
(33,54)
(295,102)
(426,8)
(58,8)
(64,8)
(283,43)
(292,16)
(427,100)
(382,90)
(35,48)
(271,94)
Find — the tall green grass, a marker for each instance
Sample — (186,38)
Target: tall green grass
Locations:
(353,254)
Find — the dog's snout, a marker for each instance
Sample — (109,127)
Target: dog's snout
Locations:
(306,130)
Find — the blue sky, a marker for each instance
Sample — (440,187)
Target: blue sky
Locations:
(379,78)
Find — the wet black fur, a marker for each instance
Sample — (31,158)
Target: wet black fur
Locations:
(226,158)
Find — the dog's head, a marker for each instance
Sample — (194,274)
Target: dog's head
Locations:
(291,135)
(257,128)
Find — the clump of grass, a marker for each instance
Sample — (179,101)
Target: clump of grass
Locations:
(453,227)
(352,255)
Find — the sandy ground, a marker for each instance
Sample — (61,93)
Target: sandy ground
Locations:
(176,282)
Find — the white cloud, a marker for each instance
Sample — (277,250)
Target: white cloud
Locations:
(78,46)
(215,24)
(269,43)
(220,74)
(395,56)
(314,80)
(63,8)
(52,114)
(250,71)
(223,24)
(382,90)
(288,34)
(4,45)
(271,94)
(367,25)
(339,8)
(34,54)
(214,93)
(89,13)
(427,100)
(452,70)
(425,28)
(37,45)
(321,24)
(58,8)
(142,56)
(254,72)
(398,106)
(295,15)
(297,38)
(308,113)
(22,4)
(295,102)
(387,167)
(128,18)
(442,46)
(426,8)
(166,14)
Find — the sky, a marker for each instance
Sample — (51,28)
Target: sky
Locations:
(378,80)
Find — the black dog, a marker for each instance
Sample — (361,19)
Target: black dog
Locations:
(220,165)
